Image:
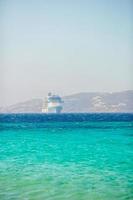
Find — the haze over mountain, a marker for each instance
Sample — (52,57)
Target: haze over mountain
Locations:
(80,103)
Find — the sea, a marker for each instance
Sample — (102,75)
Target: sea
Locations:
(66,156)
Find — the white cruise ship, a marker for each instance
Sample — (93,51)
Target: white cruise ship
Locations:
(52,104)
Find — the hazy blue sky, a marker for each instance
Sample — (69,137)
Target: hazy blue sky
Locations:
(64,46)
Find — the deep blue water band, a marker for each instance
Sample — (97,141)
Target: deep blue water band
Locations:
(72,117)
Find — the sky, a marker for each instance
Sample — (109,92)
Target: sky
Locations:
(65,47)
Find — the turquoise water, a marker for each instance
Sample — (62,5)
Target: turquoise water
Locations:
(61,160)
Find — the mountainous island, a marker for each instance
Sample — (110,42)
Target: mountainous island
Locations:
(80,103)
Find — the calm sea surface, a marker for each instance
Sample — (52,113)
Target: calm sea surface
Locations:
(66,157)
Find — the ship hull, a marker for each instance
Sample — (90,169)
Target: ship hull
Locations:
(52,110)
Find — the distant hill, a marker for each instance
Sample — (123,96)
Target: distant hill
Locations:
(81,102)
(31,106)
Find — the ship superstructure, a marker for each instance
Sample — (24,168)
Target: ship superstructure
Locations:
(52,104)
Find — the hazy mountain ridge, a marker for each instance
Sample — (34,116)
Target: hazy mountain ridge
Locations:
(81,102)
